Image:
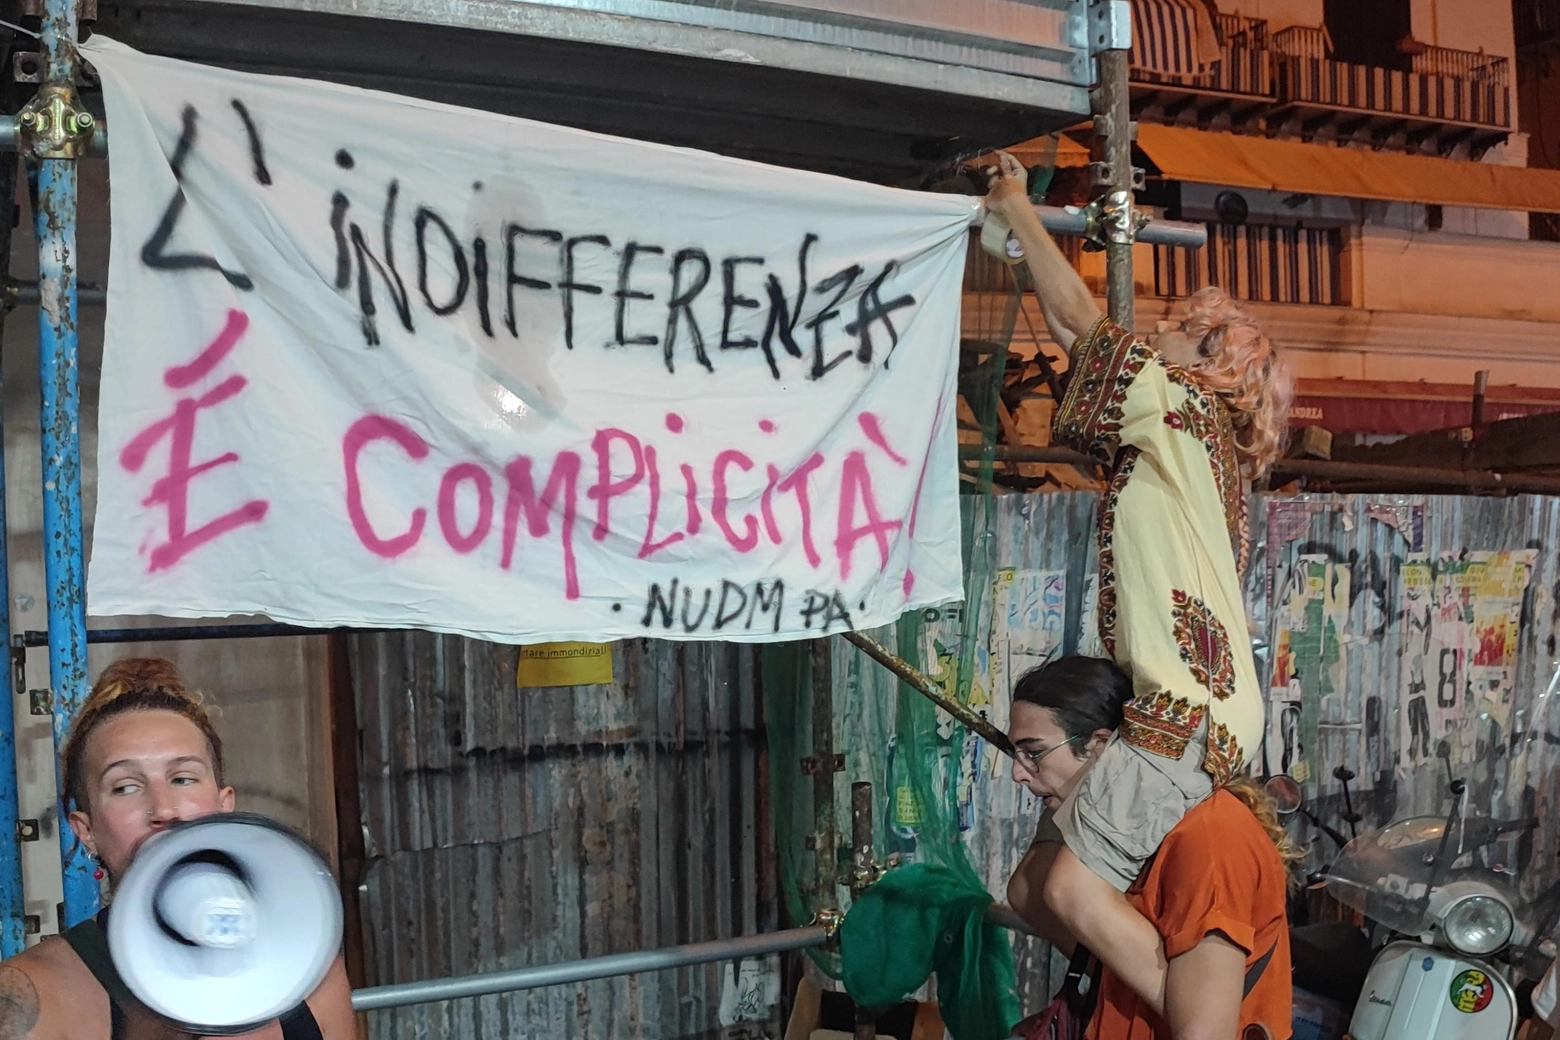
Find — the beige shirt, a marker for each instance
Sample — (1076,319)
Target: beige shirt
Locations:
(1172,525)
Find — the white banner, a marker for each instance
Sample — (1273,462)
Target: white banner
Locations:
(376,361)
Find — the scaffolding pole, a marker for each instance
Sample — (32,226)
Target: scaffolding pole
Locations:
(13,906)
(407,994)
(1112,152)
(54,127)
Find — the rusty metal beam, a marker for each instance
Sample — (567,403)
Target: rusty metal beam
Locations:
(1524,443)
(912,678)
(1418,476)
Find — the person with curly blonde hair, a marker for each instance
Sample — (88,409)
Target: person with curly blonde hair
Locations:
(1185,421)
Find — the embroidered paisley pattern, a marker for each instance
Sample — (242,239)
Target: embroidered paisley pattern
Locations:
(1224,755)
(1204,645)
(1103,367)
(1107,606)
(1162,723)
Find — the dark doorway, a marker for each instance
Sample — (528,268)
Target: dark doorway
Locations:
(1368,32)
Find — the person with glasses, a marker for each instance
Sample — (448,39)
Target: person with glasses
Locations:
(1214,892)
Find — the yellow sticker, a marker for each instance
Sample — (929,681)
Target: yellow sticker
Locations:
(564,664)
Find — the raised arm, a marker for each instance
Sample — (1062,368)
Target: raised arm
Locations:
(1065,301)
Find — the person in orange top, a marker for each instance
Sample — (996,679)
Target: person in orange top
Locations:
(1214,892)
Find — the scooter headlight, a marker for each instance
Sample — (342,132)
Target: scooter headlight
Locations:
(1477,925)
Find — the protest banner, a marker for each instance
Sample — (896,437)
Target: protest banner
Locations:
(376,361)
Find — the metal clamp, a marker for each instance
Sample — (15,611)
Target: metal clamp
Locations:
(830,919)
(864,875)
(1112,218)
(1110,26)
(53,127)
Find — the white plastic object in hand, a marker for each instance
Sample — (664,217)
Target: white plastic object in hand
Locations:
(996,238)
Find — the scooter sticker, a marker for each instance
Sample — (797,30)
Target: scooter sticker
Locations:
(1472,991)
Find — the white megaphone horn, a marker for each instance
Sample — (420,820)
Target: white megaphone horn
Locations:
(224,923)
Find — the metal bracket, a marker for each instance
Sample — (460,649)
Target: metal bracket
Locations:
(810,764)
(27,67)
(52,127)
(1110,26)
(40,702)
(27,830)
(1112,218)
(1100,176)
(18,665)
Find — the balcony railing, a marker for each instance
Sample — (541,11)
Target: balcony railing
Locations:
(1445,86)
(1474,66)
(1242,66)
(1263,262)
(1290,79)
(1303,41)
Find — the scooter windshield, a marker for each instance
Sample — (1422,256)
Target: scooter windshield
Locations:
(1386,874)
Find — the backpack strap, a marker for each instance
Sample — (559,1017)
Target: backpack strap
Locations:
(89,940)
(300,1024)
(1079,988)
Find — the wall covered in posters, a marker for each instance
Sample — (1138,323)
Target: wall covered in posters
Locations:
(1332,589)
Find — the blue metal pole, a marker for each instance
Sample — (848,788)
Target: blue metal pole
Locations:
(64,573)
(13,908)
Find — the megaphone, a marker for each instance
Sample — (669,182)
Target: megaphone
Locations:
(224,923)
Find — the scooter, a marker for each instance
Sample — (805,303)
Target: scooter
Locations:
(1448,925)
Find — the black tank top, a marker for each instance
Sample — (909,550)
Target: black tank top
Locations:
(90,941)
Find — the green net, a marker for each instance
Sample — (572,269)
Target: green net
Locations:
(834,718)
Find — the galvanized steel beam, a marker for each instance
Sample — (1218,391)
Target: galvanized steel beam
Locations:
(13,905)
(406,994)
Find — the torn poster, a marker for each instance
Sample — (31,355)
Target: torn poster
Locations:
(1309,661)
(1497,620)
(1461,622)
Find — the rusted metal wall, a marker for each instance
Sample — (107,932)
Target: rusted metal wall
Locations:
(1511,770)
(508,827)
(1512,767)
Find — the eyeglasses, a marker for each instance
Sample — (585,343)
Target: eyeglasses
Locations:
(1032,759)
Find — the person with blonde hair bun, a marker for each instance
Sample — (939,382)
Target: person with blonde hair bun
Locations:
(1185,420)
(142,755)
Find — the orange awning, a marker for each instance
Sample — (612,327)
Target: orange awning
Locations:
(1209,157)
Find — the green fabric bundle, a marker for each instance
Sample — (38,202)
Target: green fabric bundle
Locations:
(926,918)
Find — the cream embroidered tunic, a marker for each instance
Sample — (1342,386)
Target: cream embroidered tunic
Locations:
(1171,528)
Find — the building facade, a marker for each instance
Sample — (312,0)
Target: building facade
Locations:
(1362,167)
